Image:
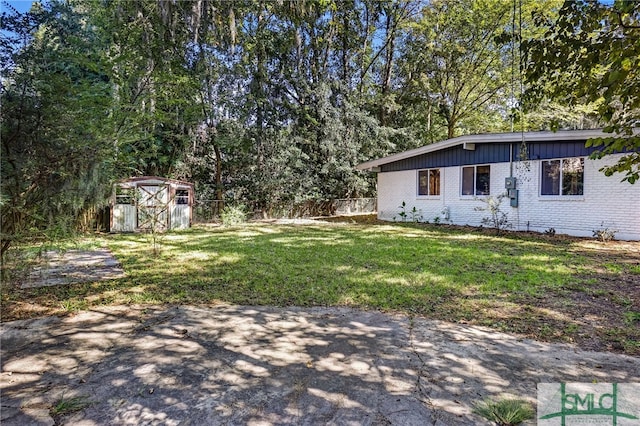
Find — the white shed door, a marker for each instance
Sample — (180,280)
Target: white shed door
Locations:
(181,210)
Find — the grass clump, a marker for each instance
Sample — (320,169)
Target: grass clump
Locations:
(632,317)
(66,406)
(505,412)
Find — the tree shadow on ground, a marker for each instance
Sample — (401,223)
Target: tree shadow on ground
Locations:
(238,365)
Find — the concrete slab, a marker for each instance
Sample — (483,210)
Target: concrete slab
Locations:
(74,266)
(265,366)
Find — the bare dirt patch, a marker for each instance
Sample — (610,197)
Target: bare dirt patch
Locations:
(73,267)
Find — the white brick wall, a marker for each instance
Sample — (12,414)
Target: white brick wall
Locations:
(607,202)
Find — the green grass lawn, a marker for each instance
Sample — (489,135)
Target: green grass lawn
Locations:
(555,289)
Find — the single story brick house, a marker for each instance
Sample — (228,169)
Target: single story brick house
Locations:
(548,180)
(151,202)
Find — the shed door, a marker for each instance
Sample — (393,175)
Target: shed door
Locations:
(153,207)
(181,210)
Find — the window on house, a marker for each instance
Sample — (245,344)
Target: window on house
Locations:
(429,182)
(562,177)
(476,180)
(182,196)
(124,196)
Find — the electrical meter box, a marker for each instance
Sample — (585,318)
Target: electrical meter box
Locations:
(510,183)
(513,197)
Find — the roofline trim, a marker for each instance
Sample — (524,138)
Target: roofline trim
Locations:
(137,179)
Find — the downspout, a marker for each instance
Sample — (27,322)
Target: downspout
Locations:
(511,160)
(444,193)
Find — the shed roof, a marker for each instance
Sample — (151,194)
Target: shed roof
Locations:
(152,180)
(562,135)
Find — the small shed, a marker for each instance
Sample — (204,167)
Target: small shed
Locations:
(151,203)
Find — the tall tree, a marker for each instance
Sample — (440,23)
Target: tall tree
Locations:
(56,98)
(213,62)
(154,90)
(590,53)
(267,103)
(456,63)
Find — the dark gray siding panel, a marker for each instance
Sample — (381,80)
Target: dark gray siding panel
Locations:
(456,156)
(490,153)
(560,149)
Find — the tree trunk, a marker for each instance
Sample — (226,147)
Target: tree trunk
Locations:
(219,188)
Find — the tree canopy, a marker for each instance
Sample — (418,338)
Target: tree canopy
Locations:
(590,54)
(56,136)
(456,61)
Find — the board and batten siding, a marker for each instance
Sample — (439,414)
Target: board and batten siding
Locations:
(124,218)
(455,156)
(490,153)
(606,203)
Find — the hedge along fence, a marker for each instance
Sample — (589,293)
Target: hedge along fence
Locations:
(210,210)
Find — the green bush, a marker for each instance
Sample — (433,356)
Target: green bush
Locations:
(233,215)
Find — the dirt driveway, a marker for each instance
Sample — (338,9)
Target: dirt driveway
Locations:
(262,366)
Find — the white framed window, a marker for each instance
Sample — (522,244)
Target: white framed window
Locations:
(182,196)
(476,180)
(124,196)
(429,182)
(562,177)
